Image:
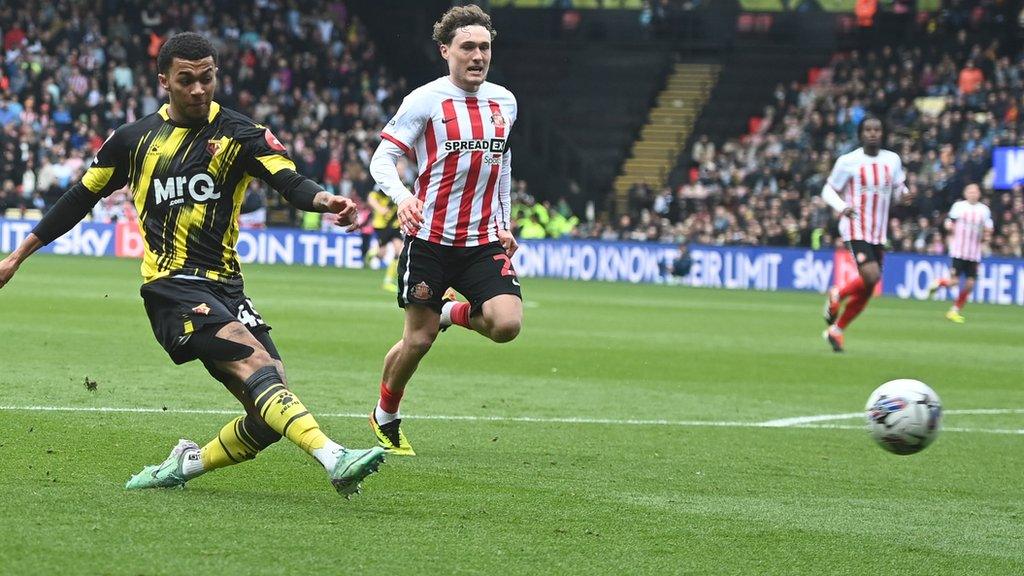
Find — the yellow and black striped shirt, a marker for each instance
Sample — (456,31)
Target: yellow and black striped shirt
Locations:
(187,185)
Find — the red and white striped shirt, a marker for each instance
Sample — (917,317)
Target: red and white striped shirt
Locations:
(969,224)
(868,184)
(460,142)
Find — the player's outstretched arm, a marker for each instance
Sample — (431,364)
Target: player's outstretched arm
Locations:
(348,215)
(307,195)
(10,264)
(72,207)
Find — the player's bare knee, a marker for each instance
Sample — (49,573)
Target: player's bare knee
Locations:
(246,367)
(505,330)
(418,343)
(261,358)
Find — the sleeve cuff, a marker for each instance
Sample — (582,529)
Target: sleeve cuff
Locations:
(395,141)
(402,197)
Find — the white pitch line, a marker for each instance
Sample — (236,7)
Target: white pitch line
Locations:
(797,422)
(533,419)
(801,420)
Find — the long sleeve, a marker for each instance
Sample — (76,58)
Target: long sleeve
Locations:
(831,197)
(298,190)
(69,210)
(505,192)
(384,170)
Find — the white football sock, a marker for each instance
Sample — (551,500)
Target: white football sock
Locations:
(192,464)
(383,417)
(328,455)
(446,313)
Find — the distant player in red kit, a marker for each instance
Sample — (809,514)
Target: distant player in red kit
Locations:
(970,221)
(862,186)
(456,220)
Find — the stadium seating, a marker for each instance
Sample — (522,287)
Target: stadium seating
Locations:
(313,76)
(761,185)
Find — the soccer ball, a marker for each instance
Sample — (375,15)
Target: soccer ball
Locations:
(904,416)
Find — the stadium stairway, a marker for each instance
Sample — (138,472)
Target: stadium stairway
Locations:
(581,105)
(745,85)
(668,127)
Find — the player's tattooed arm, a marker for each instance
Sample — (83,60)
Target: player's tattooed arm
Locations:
(307,195)
(348,215)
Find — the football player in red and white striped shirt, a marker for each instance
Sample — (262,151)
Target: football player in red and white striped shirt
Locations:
(456,219)
(862,186)
(971,225)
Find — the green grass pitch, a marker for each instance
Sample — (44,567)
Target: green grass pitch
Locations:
(505,481)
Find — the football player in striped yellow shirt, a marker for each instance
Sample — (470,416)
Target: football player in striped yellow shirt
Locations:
(188,166)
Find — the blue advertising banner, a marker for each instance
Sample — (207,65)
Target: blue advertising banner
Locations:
(713,266)
(86,239)
(1008,164)
(1000,280)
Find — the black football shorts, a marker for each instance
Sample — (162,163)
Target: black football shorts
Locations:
(179,309)
(427,269)
(968,268)
(864,252)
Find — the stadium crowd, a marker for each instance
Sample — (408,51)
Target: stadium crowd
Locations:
(945,106)
(70,75)
(946,102)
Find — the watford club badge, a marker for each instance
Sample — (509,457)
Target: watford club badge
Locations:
(421,291)
(213,146)
(202,309)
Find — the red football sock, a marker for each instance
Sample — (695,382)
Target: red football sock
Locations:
(460,314)
(962,298)
(853,308)
(851,288)
(389,400)
(943,282)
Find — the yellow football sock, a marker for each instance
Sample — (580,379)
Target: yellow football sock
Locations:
(287,415)
(239,440)
(229,447)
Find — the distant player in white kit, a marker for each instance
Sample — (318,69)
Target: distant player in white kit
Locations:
(868,179)
(970,222)
(456,220)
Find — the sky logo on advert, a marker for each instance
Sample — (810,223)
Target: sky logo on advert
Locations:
(172,190)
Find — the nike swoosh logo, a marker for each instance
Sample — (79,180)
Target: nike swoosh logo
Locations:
(163,466)
(515,282)
(447,120)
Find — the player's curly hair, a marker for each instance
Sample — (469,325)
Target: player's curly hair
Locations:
(460,17)
(865,120)
(186,46)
